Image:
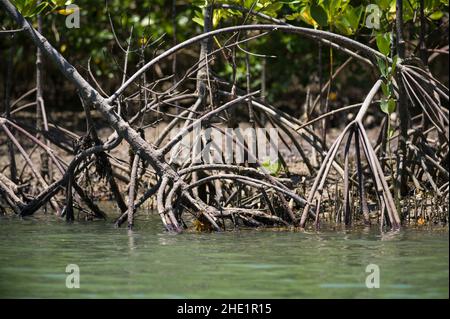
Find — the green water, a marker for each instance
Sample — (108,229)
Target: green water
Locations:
(150,263)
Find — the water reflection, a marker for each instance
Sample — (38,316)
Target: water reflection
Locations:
(131,240)
(392,235)
(167,239)
(148,262)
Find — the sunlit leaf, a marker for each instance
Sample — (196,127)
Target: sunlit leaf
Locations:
(273,168)
(384,43)
(66,12)
(388,106)
(436,15)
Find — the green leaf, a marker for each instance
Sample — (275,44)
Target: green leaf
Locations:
(199,3)
(273,168)
(198,21)
(394,64)
(382,67)
(319,15)
(351,17)
(20,4)
(60,3)
(436,15)
(384,106)
(333,6)
(198,18)
(293,16)
(343,26)
(384,43)
(383,4)
(248,3)
(39,8)
(391,106)
(385,89)
(273,7)
(388,106)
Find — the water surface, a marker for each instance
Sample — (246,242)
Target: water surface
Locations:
(150,263)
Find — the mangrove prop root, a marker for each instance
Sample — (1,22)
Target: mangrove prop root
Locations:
(219,193)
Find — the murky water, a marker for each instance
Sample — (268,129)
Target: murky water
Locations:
(150,263)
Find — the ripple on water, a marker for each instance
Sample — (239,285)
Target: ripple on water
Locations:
(150,263)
